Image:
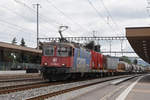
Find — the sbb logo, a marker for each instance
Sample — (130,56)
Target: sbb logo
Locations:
(54,59)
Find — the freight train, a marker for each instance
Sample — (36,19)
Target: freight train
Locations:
(62,61)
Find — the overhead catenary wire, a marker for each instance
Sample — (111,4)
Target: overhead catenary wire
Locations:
(20,15)
(100,15)
(60,13)
(109,14)
(19,28)
(148,7)
(47,18)
(15,27)
(13,23)
(68,28)
(69,17)
(42,17)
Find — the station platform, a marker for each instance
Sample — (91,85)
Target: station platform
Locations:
(137,88)
(5,75)
(141,91)
(13,72)
(20,73)
(17,72)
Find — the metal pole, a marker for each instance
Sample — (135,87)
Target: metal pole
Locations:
(122,47)
(110,47)
(37,26)
(37,7)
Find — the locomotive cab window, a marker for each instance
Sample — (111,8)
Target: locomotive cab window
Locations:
(64,51)
(48,51)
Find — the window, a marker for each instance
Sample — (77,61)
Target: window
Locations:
(48,51)
(64,51)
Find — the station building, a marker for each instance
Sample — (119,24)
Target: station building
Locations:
(7,63)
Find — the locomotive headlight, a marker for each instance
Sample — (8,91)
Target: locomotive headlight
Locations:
(45,63)
(63,65)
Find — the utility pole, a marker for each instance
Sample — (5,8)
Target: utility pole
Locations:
(122,47)
(37,7)
(110,46)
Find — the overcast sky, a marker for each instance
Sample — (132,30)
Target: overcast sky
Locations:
(107,17)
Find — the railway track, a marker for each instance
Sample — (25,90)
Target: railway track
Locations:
(38,86)
(42,97)
(16,88)
(23,87)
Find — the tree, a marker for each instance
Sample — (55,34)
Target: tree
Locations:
(14,41)
(22,42)
(40,45)
(22,56)
(12,56)
(90,45)
(135,61)
(126,59)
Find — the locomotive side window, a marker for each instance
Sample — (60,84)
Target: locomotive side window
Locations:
(64,51)
(70,51)
(48,51)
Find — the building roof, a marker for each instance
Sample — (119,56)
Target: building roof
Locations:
(139,38)
(19,48)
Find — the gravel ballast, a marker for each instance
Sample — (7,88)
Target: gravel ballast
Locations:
(22,95)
